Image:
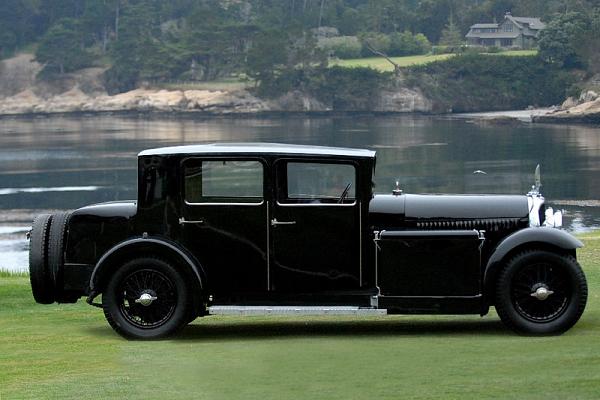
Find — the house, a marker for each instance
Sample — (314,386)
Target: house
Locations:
(517,32)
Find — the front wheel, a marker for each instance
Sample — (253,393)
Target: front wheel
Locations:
(146,299)
(540,292)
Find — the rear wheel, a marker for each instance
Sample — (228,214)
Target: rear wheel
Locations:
(147,299)
(540,292)
(40,275)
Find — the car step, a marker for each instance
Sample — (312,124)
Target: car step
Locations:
(294,310)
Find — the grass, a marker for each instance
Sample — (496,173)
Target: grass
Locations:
(228,84)
(68,351)
(382,64)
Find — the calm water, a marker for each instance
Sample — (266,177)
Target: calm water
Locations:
(65,163)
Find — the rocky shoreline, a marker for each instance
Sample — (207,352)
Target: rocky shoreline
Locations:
(584,110)
(203,102)
(22,94)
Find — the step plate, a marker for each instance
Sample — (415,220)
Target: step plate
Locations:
(294,310)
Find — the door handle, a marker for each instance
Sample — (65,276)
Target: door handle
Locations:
(182,221)
(274,222)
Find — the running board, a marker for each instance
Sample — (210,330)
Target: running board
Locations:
(294,310)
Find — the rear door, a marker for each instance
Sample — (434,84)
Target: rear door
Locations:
(315,227)
(225,223)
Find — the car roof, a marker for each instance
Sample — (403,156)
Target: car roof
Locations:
(258,148)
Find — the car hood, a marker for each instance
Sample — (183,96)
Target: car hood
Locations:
(446,211)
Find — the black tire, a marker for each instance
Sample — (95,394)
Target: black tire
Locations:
(56,251)
(40,275)
(168,312)
(541,293)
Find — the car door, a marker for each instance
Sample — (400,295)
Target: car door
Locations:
(225,221)
(315,227)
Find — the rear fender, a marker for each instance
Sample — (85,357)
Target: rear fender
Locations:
(127,249)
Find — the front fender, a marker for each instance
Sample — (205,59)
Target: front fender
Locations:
(542,236)
(142,245)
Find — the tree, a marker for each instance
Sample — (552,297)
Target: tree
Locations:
(61,47)
(268,54)
(565,39)
(135,50)
(374,41)
(451,35)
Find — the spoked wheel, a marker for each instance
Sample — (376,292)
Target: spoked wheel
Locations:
(146,299)
(540,292)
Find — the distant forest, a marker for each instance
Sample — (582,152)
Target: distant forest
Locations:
(156,40)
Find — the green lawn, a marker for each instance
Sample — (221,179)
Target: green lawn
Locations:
(69,351)
(221,84)
(382,64)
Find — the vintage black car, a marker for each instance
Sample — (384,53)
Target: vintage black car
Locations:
(287,229)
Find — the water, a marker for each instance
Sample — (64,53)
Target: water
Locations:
(54,163)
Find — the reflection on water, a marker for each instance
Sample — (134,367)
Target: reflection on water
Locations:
(65,163)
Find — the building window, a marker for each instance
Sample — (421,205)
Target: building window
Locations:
(508,28)
(506,42)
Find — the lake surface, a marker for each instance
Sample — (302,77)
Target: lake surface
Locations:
(61,163)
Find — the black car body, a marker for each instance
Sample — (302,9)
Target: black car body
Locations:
(266,228)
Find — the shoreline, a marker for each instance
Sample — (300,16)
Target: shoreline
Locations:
(507,117)
(541,115)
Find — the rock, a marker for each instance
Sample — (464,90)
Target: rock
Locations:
(568,103)
(587,96)
(403,100)
(501,120)
(298,101)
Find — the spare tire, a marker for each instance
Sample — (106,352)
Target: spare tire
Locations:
(40,275)
(56,253)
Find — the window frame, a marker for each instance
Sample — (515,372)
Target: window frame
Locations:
(281,182)
(201,159)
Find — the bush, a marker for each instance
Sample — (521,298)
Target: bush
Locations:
(477,82)
(493,49)
(407,44)
(341,46)
(342,89)
(440,50)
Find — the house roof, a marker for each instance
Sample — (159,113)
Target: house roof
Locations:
(492,25)
(493,35)
(534,23)
(259,148)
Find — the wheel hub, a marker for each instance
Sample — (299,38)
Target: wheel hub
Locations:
(542,293)
(146,299)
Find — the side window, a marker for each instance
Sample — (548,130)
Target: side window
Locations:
(223,181)
(320,183)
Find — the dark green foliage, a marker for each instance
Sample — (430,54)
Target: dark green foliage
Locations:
(61,50)
(267,56)
(341,89)
(341,46)
(451,35)
(374,41)
(154,40)
(135,52)
(407,44)
(474,82)
(572,39)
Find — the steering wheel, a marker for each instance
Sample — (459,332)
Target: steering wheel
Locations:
(345,193)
